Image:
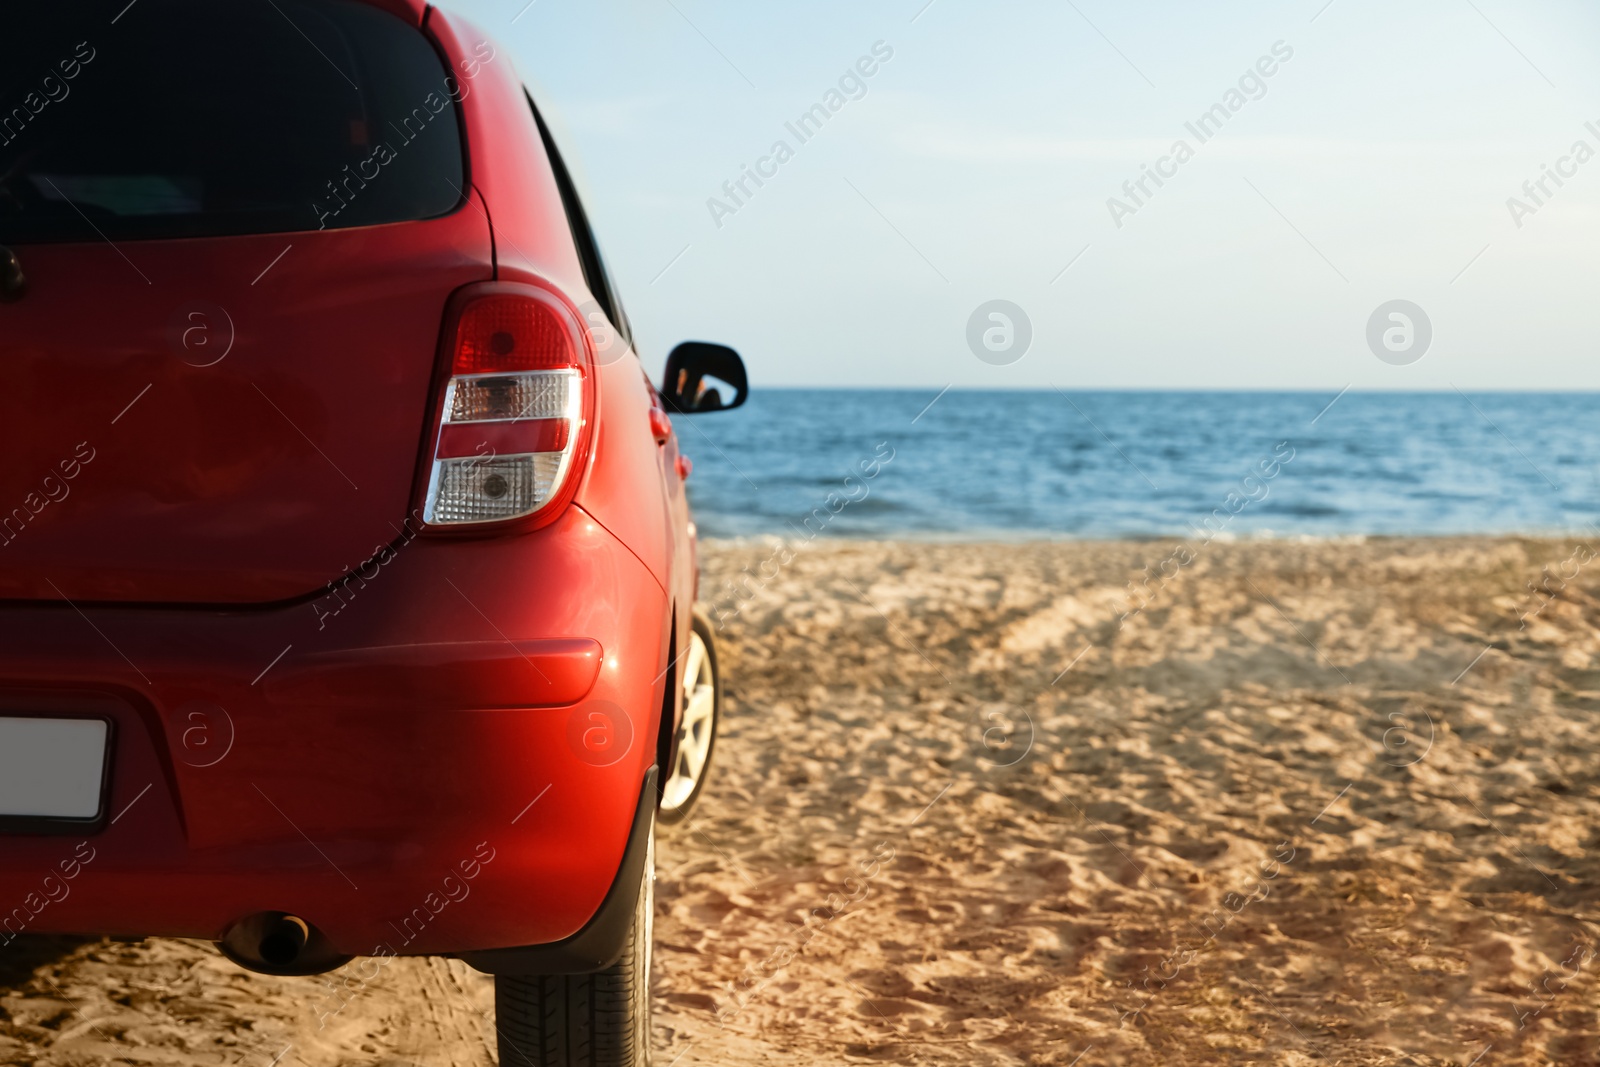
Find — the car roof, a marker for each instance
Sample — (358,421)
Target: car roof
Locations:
(410,10)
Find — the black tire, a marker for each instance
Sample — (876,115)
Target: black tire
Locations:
(584,1020)
(674,809)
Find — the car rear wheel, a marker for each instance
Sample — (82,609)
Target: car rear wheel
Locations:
(584,1020)
(697,734)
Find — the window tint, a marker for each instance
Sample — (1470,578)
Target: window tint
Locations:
(192,118)
(595,275)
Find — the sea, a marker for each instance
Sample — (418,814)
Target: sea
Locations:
(1048,464)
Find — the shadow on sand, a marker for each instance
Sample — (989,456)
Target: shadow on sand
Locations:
(21,957)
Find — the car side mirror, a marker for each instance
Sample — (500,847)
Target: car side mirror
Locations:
(686,389)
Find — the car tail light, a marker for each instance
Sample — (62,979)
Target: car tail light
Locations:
(513,422)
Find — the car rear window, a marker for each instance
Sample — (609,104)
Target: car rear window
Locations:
(192,118)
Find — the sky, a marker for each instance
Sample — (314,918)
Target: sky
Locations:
(979,162)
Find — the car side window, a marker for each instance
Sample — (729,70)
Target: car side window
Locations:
(595,274)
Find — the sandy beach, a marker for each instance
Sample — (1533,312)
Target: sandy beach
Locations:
(1281,802)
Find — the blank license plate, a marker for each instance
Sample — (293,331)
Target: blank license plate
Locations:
(52,768)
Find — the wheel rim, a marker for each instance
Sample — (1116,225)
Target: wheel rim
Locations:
(699,723)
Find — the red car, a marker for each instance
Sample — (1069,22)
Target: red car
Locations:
(347,578)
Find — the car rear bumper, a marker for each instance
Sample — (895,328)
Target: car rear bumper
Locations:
(449,763)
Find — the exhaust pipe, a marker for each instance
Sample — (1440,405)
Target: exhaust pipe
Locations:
(284,940)
(276,942)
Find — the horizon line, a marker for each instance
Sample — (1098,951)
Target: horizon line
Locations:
(1296,391)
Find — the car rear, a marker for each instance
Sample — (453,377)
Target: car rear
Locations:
(302,612)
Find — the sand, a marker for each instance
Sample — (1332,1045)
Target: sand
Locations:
(1313,803)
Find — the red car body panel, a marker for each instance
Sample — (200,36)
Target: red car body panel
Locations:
(339,802)
(249,467)
(509,164)
(298,727)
